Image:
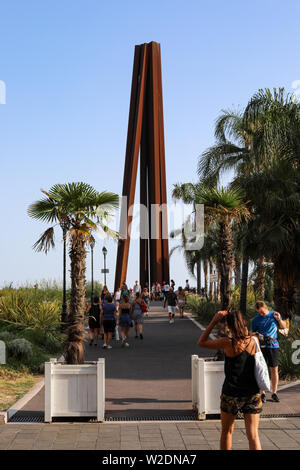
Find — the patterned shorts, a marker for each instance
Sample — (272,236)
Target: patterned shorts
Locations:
(237,405)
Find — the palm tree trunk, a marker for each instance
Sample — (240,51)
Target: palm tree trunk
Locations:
(244,285)
(75,349)
(211,288)
(259,283)
(225,259)
(237,270)
(198,276)
(285,285)
(205,267)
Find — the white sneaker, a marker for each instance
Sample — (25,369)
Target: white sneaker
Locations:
(127,345)
(109,347)
(104,346)
(171,321)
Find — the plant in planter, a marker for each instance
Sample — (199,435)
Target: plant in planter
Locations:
(82,210)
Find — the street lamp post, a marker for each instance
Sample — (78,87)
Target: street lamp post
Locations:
(92,245)
(104,251)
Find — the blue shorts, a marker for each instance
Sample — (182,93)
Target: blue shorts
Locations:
(125,320)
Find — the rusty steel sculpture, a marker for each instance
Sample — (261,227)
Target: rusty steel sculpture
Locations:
(145,137)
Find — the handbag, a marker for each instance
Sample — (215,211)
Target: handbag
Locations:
(261,369)
(144,307)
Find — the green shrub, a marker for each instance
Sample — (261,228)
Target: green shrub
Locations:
(20,308)
(20,349)
(6,336)
(205,310)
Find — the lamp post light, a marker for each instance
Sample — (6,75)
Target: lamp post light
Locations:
(104,251)
(92,245)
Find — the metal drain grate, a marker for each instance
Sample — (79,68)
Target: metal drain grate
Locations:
(152,418)
(26,419)
(40,419)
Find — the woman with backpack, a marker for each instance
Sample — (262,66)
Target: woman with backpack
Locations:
(240,392)
(125,320)
(94,321)
(138,307)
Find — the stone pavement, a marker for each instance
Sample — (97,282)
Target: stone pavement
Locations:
(275,434)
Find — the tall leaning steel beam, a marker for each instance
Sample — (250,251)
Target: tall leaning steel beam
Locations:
(131,158)
(145,130)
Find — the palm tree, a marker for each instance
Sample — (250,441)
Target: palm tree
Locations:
(223,206)
(186,192)
(83,210)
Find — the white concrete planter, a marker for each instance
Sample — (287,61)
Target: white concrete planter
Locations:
(207,380)
(74,390)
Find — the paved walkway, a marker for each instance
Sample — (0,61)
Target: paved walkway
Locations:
(195,435)
(151,378)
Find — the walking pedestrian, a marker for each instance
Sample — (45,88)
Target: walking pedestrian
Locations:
(125,320)
(94,321)
(165,289)
(117,298)
(266,323)
(240,392)
(103,294)
(124,290)
(181,298)
(172,284)
(146,299)
(108,318)
(136,287)
(138,315)
(171,302)
(187,286)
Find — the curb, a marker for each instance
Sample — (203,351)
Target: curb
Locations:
(293,384)
(203,328)
(24,400)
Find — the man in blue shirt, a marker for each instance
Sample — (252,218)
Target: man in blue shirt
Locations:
(267,323)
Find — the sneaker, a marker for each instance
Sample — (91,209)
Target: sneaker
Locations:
(275,397)
(141,336)
(109,347)
(263,398)
(104,346)
(171,321)
(127,345)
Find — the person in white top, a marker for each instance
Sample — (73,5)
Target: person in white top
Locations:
(166,289)
(117,298)
(137,287)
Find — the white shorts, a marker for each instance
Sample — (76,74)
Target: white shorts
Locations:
(172,309)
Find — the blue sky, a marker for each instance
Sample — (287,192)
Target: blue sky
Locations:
(67,67)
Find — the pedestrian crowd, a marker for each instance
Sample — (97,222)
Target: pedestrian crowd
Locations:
(128,307)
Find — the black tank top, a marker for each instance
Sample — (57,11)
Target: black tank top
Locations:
(95,311)
(125,311)
(239,375)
